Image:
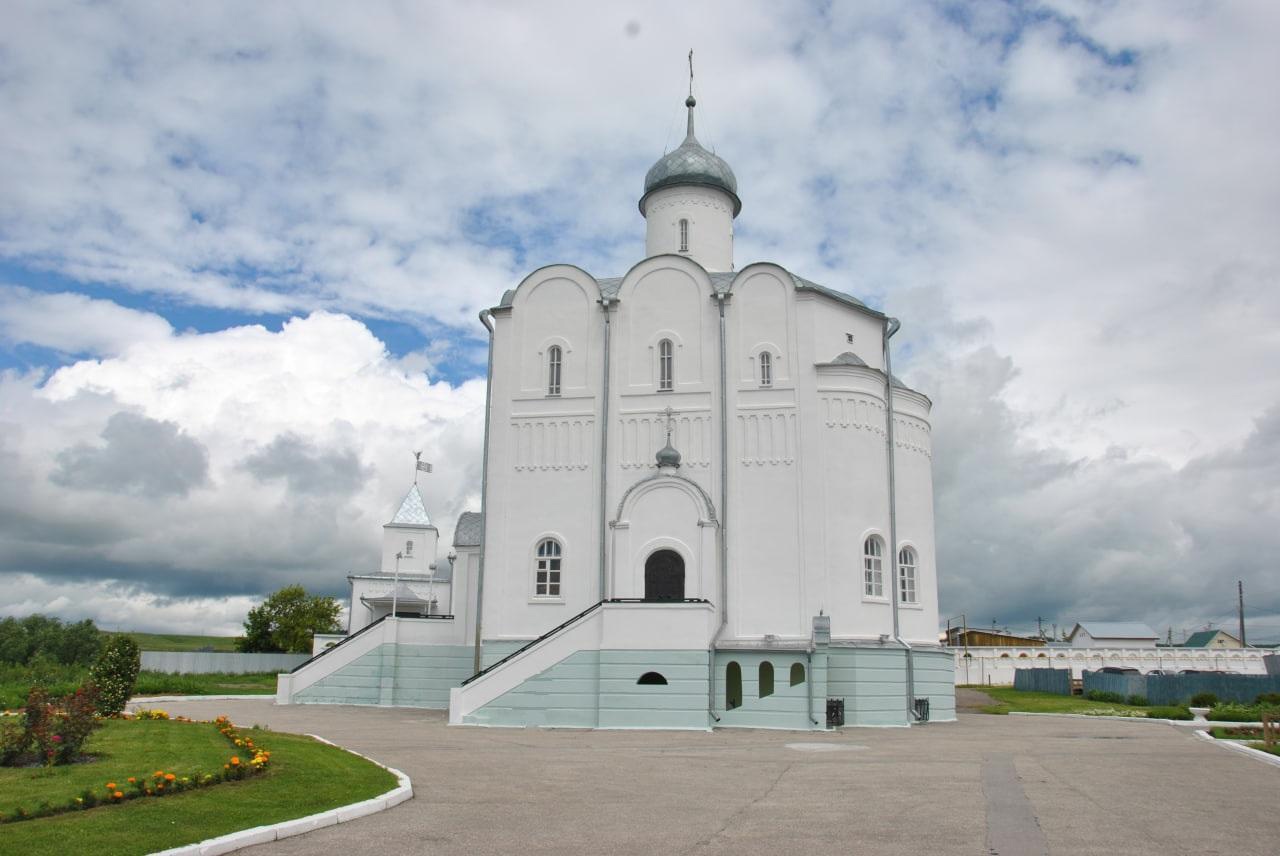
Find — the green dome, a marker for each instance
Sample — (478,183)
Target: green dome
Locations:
(668,456)
(691,164)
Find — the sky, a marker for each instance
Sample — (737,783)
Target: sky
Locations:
(243,247)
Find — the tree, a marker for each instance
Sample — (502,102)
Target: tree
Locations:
(286,621)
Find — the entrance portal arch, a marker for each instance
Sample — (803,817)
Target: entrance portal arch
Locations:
(664,576)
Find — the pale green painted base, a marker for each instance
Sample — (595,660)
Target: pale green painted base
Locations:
(873,682)
(403,675)
(788,706)
(598,689)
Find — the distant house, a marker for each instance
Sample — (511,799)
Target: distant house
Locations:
(1112,634)
(1212,639)
(960,638)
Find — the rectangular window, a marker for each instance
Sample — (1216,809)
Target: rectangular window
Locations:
(666,365)
(546,573)
(873,568)
(553,370)
(684,236)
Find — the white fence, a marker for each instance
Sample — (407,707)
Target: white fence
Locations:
(996,666)
(205,662)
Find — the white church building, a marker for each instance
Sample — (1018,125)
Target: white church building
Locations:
(686,515)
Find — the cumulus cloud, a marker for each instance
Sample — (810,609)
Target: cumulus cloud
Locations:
(141,455)
(238,461)
(1089,187)
(73,323)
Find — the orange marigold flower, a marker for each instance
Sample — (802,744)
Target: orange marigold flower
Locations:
(235,760)
(118,795)
(111,786)
(132,780)
(158,774)
(169,777)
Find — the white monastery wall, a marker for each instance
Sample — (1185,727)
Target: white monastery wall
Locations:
(996,666)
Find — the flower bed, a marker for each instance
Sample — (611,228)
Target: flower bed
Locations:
(248,759)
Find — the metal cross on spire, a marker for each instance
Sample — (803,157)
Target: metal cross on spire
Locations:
(691,72)
(420,466)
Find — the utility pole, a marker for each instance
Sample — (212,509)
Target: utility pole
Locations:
(1240,594)
(1040,627)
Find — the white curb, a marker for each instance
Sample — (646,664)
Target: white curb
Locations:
(1207,723)
(289,828)
(1235,746)
(156,698)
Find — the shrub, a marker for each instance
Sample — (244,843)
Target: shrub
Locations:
(1169,713)
(1137,701)
(1231,712)
(1204,700)
(1103,695)
(115,674)
(50,732)
(1268,699)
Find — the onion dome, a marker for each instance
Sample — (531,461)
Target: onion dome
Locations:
(668,456)
(691,164)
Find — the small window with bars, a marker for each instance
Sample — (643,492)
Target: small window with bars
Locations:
(766,369)
(684,236)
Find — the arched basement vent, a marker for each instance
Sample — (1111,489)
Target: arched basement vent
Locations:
(652,678)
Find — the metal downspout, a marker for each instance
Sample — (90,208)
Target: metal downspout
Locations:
(486,318)
(604,454)
(892,325)
(808,655)
(724,515)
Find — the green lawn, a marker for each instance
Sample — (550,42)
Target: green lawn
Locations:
(178,642)
(159,683)
(16,680)
(305,777)
(1009,700)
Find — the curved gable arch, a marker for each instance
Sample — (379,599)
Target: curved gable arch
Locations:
(658,481)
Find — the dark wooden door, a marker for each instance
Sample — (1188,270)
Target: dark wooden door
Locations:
(664,576)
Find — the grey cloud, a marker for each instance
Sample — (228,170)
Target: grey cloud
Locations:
(307,469)
(141,456)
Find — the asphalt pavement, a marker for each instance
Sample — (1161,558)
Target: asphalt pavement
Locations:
(1005,785)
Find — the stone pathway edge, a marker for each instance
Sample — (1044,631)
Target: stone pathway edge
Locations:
(287,829)
(1266,757)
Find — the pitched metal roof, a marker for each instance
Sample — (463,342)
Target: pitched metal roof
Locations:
(1115,630)
(467,532)
(1202,638)
(413,512)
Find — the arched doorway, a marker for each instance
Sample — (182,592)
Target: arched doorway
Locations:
(664,576)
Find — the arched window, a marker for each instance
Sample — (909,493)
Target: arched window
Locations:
(652,678)
(732,686)
(873,567)
(555,358)
(666,365)
(766,368)
(546,574)
(797,674)
(408,548)
(766,679)
(684,236)
(907,576)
